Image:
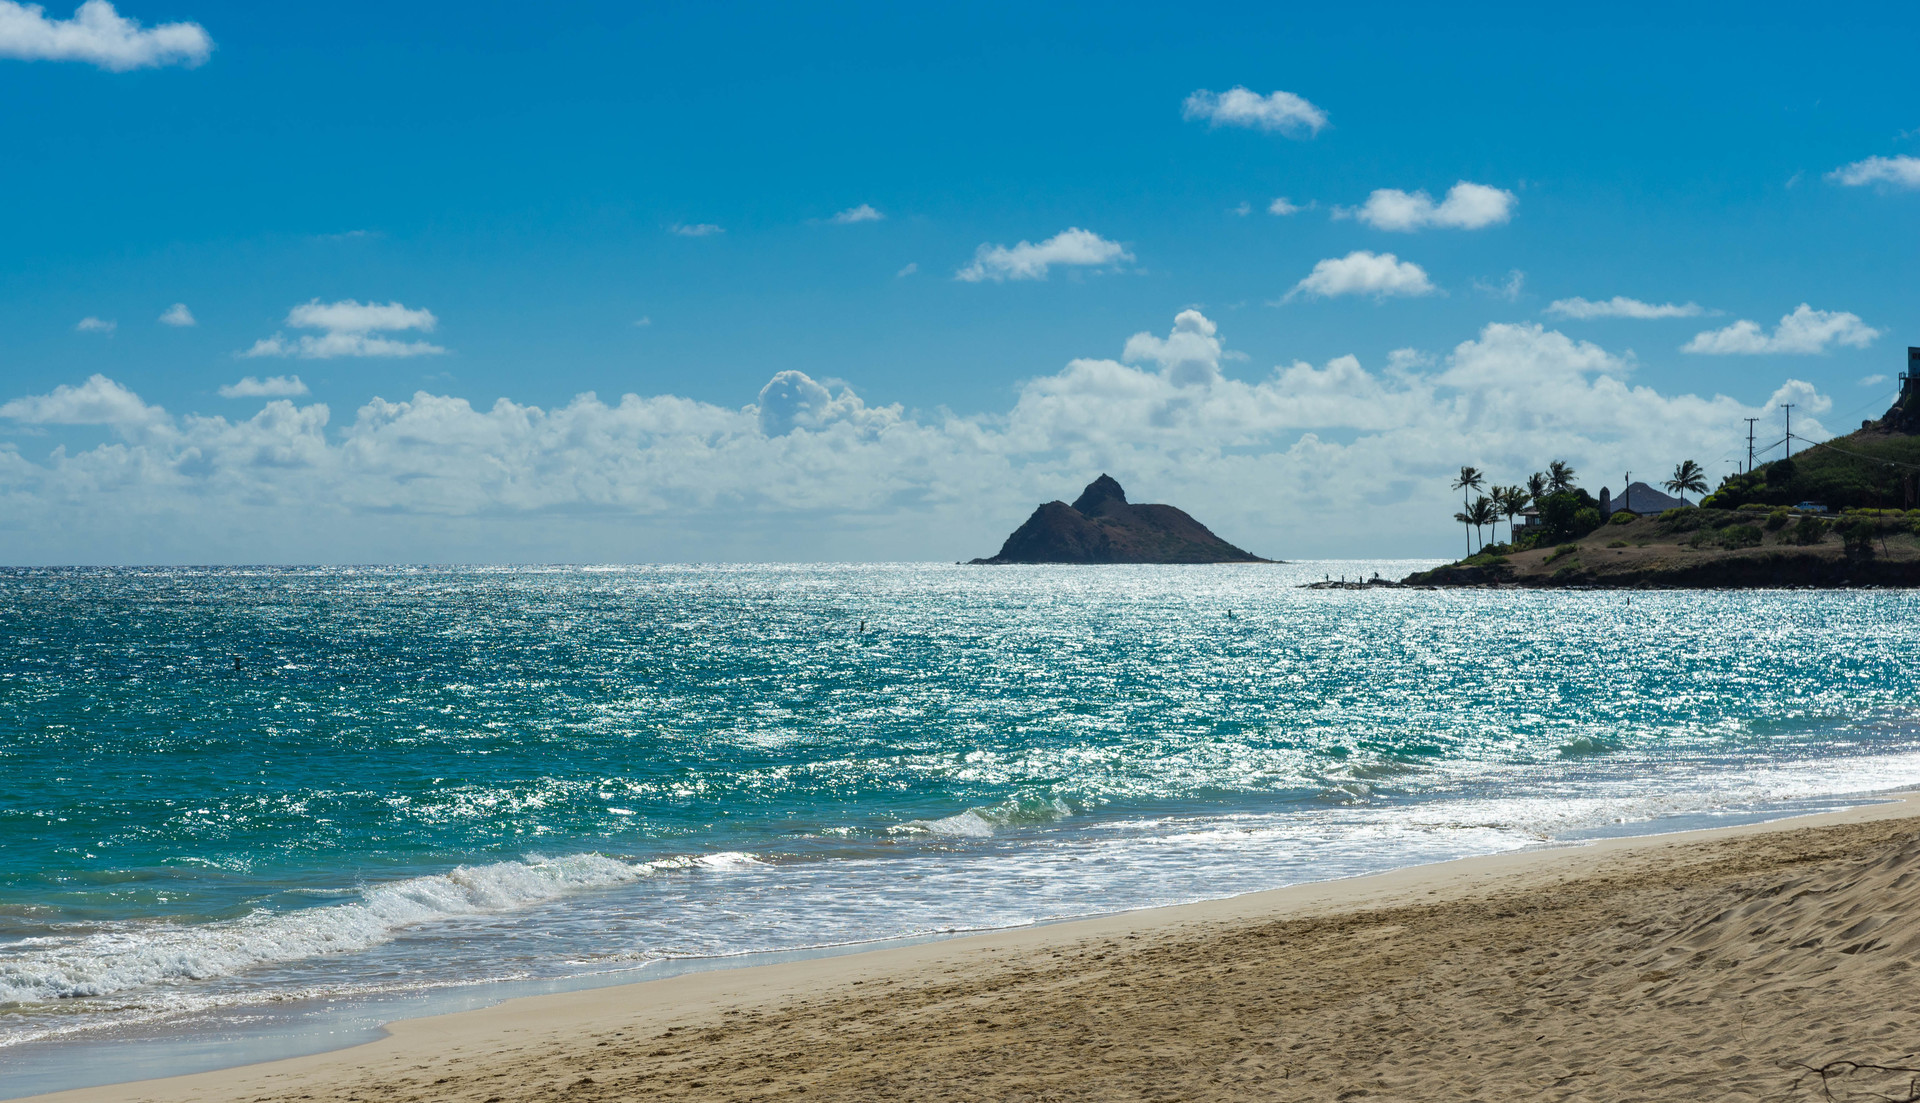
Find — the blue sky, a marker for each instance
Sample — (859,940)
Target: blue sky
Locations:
(515,187)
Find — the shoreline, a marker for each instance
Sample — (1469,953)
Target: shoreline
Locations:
(620,1015)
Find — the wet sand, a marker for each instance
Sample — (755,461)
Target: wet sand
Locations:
(1770,961)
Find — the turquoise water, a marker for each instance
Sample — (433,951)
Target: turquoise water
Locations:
(419,778)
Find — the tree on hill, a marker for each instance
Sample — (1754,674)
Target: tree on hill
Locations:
(1470,478)
(1688,476)
(1559,477)
(1483,512)
(1536,486)
(1511,500)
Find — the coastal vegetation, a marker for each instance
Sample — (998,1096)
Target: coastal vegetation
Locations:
(1862,471)
(1700,547)
(1762,528)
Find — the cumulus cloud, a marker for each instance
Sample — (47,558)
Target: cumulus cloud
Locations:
(1283,206)
(809,469)
(98,401)
(1027,261)
(1899,173)
(274,386)
(178,315)
(91,324)
(696,229)
(1804,331)
(1363,273)
(863,213)
(350,328)
(1282,112)
(1621,307)
(910,269)
(1467,206)
(98,35)
(1187,356)
(1872,380)
(791,401)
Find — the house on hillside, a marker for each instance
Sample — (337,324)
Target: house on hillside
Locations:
(1641,499)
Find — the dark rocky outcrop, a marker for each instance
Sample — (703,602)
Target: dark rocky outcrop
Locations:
(1101,526)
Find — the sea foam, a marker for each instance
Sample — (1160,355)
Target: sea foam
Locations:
(135,955)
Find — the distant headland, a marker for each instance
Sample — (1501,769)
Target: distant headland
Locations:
(1101,526)
(1840,512)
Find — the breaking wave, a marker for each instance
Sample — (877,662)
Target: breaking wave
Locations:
(137,955)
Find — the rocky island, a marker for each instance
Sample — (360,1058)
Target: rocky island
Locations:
(1101,526)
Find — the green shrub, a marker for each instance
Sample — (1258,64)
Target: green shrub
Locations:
(1568,515)
(1776,520)
(1810,530)
(1622,518)
(1617,544)
(1754,507)
(1563,551)
(1859,539)
(1739,536)
(1685,519)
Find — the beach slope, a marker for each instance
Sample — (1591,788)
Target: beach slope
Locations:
(1763,962)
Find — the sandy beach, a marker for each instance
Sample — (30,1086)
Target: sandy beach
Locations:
(1768,961)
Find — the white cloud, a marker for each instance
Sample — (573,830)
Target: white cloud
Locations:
(178,315)
(1508,289)
(1243,209)
(1621,307)
(91,324)
(1027,261)
(1467,206)
(274,386)
(1280,111)
(1873,380)
(350,329)
(643,321)
(1804,331)
(697,229)
(350,316)
(863,213)
(810,470)
(1189,355)
(98,401)
(1283,206)
(99,35)
(910,269)
(1363,273)
(1902,173)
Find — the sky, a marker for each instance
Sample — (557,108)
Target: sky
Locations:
(592,282)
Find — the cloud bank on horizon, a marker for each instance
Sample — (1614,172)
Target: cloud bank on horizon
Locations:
(113,459)
(1333,440)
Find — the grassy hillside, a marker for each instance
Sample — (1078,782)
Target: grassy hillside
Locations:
(1852,472)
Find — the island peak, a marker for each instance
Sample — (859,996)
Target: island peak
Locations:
(1101,526)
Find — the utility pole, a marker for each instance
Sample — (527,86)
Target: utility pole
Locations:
(1750,422)
(1788,407)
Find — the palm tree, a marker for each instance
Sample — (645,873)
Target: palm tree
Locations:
(1688,476)
(1536,487)
(1471,478)
(1466,518)
(1483,513)
(1511,500)
(1559,476)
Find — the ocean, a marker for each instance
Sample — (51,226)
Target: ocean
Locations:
(227,794)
